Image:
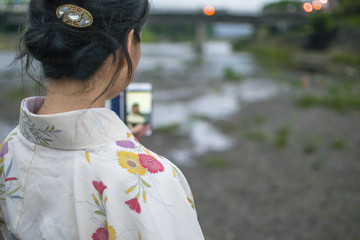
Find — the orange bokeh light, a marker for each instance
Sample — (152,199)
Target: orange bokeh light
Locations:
(324,1)
(317,5)
(308,7)
(209,10)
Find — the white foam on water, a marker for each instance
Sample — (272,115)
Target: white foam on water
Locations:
(207,138)
(215,106)
(254,90)
(169,114)
(182,157)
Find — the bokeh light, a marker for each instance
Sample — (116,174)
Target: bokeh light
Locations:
(317,5)
(324,1)
(308,7)
(209,10)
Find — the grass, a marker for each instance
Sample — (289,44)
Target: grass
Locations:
(318,164)
(16,93)
(345,58)
(256,136)
(8,41)
(352,21)
(337,144)
(241,44)
(148,36)
(272,56)
(255,120)
(334,216)
(310,148)
(259,119)
(200,117)
(267,53)
(217,162)
(282,137)
(168,129)
(232,75)
(341,98)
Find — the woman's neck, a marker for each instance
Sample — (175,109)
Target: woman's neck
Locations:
(70,95)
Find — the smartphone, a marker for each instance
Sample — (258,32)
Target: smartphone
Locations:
(134,106)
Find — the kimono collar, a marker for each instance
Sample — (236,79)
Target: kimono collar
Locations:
(73,130)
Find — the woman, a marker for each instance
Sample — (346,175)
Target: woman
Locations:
(72,169)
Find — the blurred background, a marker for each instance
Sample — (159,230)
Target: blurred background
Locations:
(258,102)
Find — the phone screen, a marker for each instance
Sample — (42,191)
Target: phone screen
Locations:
(135,106)
(139,105)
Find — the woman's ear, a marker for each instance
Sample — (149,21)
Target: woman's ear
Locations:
(130,46)
(134,48)
(130,41)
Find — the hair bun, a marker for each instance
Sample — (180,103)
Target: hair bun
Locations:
(46,45)
(68,52)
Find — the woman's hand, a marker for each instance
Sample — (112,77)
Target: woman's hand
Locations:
(140,130)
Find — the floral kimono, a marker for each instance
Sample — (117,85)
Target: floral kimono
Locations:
(83,175)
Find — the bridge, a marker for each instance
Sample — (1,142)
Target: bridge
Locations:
(264,18)
(198,18)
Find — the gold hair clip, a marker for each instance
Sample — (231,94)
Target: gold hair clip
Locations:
(74,16)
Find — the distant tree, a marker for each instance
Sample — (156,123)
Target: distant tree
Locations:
(283,6)
(351,7)
(322,31)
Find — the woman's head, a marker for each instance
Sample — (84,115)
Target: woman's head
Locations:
(68,52)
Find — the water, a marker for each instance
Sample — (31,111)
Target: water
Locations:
(190,92)
(6,58)
(179,60)
(233,30)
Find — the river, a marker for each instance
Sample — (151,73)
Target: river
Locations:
(190,91)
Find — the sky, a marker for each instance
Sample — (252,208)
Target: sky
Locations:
(230,5)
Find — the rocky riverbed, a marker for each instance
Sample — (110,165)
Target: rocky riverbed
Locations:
(306,187)
(260,166)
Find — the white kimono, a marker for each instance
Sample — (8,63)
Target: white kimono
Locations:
(82,175)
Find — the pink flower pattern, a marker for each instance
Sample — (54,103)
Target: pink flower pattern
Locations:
(134,205)
(99,186)
(100,234)
(150,163)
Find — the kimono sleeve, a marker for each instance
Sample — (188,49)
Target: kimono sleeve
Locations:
(153,205)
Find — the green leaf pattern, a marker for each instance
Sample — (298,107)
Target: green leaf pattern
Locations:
(41,136)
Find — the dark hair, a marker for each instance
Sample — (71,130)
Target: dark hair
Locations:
(135,105)
(70,52)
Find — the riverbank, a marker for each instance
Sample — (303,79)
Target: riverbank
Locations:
(292,171)
(292,174)
(267,167)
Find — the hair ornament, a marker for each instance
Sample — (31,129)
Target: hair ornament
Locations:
(74,16)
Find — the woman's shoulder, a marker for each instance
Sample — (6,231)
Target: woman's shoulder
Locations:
(132,172)
(128,158)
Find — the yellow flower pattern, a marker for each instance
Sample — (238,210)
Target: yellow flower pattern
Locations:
(112,233)
(130,161)
(2,144)
(87,156)
(191,203)
(116,182)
